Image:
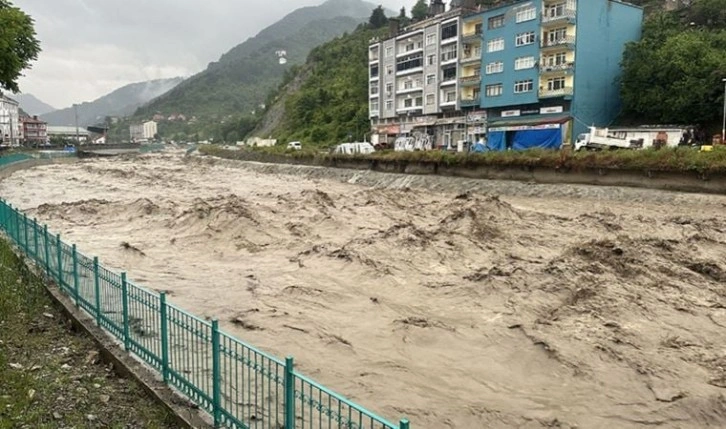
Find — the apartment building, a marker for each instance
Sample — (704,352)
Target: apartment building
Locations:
(550,68)
(414,80)
(143,132)
(10,127)
(522,74)
(35,131)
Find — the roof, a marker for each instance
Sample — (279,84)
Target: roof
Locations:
(532,120)
(31,120)
(52,129)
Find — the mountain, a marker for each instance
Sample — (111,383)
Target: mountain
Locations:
(31,105)
(121,102)
(243,77)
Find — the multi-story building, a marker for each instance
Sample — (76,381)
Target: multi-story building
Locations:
(143,132)
(10,127)
(35,131)
(414,80)
(525,73)
(550,68)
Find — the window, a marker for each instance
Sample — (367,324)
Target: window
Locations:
(407,84)
(374,106)
(430,79)
(419,101)
(494,90)
(495,45)
(450,97)
(389,104)
(374,88)
(389,51)
(408,102)
(555,10)
(556,36)
(432,60)
(521,86)
(430,39)
(526,14)
(409,62)
(496,22)
(495,67)
(525,38)
(449,53)
(449,30)
(389,69)
(389,88)
(555,83)
(374,71)
(449,73)
(430,99)
(523,63)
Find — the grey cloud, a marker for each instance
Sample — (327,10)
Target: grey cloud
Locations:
(91,47)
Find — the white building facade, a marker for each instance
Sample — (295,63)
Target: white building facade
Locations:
(10,126)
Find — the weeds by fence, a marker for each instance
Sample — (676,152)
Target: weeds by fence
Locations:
(237,384)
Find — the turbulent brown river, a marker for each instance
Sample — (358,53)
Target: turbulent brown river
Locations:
(455,303)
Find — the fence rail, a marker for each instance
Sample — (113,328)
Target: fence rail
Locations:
(240,386)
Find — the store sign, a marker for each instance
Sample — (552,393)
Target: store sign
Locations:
(390,129)
(553,109)
(510,113)
(478,116)
(525,127)
(530,112)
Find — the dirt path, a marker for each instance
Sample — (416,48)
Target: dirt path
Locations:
(511,305)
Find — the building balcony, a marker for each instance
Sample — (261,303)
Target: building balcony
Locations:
(409,109)
(409,71)
(411,52)
(473,58)
(470,80)
(562,41)
(409,90)
(552,93)
(567,15)
(558,68)
(470,101)
(374,113)
(471,37)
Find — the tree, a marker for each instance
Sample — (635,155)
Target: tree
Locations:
(378,18)
(673,75)
(420,10)
(18,45)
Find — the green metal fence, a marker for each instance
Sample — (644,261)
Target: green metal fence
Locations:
(239,385)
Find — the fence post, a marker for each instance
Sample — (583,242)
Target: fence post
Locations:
(17,226)
(125,307)
(35,239)
(47,251)
(97,288)
(164,338)
(216,376)
(404,424)
(59,251)
(25,233)
(289,392)
(75,273)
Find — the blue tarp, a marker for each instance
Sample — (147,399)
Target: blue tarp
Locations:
(496,141)
(544,139)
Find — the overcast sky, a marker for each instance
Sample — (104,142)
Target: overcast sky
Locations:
(91,47)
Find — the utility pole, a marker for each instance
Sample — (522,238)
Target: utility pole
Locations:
(78,139)
(723,127)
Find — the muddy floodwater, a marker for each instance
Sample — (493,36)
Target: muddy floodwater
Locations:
(455,303)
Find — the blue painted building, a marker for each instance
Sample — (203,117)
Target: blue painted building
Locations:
(550,68)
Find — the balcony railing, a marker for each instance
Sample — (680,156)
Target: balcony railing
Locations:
(567,14)
(562,92)
(471,36)
(470,101)
(560,41)
(475,56)
(470,80)
(557,67)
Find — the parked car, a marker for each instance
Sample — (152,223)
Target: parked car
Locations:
(354,148)
(294,145)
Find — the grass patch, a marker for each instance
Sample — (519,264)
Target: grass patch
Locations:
(679,159)
(51,377)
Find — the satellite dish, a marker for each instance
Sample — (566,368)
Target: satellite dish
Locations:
(283,60)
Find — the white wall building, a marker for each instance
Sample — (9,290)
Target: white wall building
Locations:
(150,130)
(143,132)
(10,127)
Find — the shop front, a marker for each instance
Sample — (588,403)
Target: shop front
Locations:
(534,132)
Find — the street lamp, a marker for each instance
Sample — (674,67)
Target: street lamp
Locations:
(723,126)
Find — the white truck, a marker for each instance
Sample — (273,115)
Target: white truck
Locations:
(628,138)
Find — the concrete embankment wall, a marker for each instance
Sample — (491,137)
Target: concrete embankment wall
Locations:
(674,181)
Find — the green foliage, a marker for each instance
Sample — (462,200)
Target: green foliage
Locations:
(378,18)
(664,160)
(332,104)
(673,75)
(419,11)
(18,45)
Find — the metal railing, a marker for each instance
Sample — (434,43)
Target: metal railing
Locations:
(561,92)
(551,16)
(560,41)
(237,384)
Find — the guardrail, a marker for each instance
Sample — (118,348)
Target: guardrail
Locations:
(237,384)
